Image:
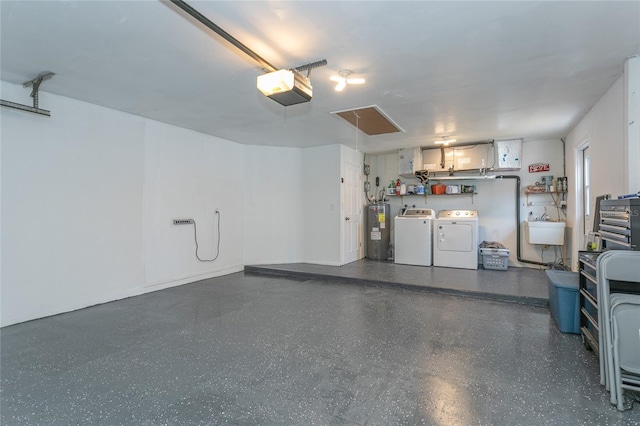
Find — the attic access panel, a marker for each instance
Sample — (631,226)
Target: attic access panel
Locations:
(370,119)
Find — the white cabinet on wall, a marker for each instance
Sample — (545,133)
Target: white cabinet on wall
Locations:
(410,160)
(509,154)
(478,156)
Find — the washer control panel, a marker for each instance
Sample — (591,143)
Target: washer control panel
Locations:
(455,214)
(419,212)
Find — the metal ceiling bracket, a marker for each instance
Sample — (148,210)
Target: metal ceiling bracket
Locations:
(35,83)
(310,66)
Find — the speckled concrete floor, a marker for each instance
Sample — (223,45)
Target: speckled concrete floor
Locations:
(259,350)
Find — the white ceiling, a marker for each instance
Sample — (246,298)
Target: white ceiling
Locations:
(470,70)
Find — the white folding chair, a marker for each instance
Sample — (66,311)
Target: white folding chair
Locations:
(601,291)
(625,330)
(614,265)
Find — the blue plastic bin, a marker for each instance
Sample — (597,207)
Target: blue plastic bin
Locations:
(564,301)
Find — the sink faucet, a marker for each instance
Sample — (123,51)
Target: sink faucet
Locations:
(545,216)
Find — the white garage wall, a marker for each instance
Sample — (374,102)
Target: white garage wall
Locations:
(293,205)
(603,128)
(71,206)
(190,175)
(274,208)
(322,208)
(631,124)
(89,194)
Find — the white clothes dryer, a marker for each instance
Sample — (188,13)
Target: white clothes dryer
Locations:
(413,237)
(456,239)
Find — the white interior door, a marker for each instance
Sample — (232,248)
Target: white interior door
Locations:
(351,214)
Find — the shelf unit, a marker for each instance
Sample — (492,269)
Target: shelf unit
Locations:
(556,198)
(447,179)
(425,177)
(432,195)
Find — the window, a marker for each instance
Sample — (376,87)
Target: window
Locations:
(586,170)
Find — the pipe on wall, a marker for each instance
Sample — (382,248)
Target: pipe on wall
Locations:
(518,233)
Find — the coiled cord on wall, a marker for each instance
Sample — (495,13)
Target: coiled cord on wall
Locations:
(195,237)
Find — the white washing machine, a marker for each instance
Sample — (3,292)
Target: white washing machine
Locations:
(455,242)
(413,237)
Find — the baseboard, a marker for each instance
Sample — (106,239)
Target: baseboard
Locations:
(185,279)
(132,292)
(293,262)
(273,262)
(325,263)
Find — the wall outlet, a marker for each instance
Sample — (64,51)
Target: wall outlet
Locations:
(182,221)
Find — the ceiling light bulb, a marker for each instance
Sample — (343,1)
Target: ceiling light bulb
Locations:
(343,80)
(275,82)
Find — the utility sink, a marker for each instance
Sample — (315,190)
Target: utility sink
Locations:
(545,232)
